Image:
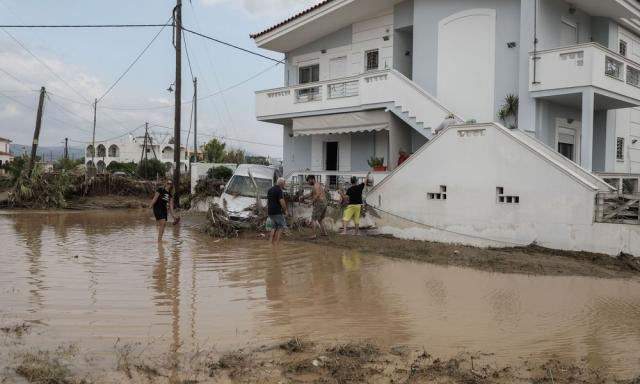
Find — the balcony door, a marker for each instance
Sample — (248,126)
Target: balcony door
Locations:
(568,139)
(568,32)
(338,67)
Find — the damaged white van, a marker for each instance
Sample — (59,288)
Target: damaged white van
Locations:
(240,192)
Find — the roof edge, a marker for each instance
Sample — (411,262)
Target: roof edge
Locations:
(290,19)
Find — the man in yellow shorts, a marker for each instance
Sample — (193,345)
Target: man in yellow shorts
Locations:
(354,207)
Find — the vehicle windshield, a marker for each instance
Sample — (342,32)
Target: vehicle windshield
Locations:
(242,186)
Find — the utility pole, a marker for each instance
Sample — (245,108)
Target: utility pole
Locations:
(93,142)
(36,134)
(66,148)
(195,120)
(177,13)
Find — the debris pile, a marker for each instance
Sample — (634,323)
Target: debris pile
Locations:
(41,190)
(219,224)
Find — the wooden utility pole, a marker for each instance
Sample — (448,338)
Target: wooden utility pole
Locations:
(66,148)
(178,100)
(36,134)
(195,120)
(93,141)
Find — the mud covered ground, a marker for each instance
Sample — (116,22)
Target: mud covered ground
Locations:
(528,260)
(292,361)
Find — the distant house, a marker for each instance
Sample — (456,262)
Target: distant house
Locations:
(130,150)
(5,151)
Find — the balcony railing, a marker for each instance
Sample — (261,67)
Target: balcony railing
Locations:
(379,89)
(585,65)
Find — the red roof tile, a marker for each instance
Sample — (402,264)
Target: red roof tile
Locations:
(280,24)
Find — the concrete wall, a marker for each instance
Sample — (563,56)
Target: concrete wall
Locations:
(427,15)
(554,210)
(403,14)
(403,51)
(550,15)
(351,42)
(399,138)
(362,148)
(296,151)
(336,40)
(548,112)
(599,140)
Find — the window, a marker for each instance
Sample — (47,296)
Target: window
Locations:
(243,186)
(613,68)
(504,199)
(620,149)
(442,195)
(633,76)
(372,60)
(309,74)
(622,48)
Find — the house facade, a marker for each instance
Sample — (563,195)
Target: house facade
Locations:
(367,78)
(472,88)
(5,151)
(131,150)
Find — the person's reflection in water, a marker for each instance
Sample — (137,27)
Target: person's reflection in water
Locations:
(351,261)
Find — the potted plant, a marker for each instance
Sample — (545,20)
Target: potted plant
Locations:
(377,164)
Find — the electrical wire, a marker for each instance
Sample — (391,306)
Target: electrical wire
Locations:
(199,99)
(136,60)
(111,138)
(232,45)
(222,137)
(83,26)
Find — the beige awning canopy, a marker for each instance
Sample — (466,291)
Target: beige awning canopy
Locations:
(341,123)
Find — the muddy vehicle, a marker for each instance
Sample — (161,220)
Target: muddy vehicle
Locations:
(239,195)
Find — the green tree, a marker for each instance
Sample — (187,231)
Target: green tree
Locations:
(259,160)
(219,173)
(236,156)
(16,167)
(214,151)
(67,164)
(148,169)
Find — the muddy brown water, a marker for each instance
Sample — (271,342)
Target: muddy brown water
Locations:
(94,278)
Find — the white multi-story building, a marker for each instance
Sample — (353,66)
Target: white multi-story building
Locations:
(5,151)
(367,78)
(131,150)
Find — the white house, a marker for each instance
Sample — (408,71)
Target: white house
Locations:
(131,150)
(367,78)
(5,151)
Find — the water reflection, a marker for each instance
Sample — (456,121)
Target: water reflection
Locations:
(101,276)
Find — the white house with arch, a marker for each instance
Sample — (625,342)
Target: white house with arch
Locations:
(367,78)
(131,150)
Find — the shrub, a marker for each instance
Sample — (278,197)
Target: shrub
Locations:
(149,169)
(219,173)
(129,168)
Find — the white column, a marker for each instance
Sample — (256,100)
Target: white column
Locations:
(586,142)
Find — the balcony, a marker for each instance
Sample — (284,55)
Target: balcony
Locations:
(563,71)
(370,90)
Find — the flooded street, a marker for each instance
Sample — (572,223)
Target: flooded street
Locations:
(97,278)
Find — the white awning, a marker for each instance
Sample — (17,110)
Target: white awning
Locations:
(341,123)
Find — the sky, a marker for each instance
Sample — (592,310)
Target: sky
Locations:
(79,65)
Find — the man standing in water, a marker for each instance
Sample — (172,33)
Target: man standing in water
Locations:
(161,200)
(354,204)
(319,201)
(277,210)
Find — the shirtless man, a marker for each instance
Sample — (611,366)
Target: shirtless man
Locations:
(319,200)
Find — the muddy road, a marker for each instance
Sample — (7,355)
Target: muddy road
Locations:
(99,280)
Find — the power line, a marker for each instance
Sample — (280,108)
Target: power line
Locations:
(232,45)
(83,26)
(111,138)
(136,60)
(186,49)
(199,99)
(223,137)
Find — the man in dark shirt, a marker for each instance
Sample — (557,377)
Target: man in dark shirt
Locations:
(354,207)
(277,210)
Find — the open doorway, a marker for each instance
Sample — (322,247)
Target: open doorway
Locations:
(331,160)
(568,139)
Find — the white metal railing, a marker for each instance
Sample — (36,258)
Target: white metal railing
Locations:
(305,95)
(332,180)
(343,89)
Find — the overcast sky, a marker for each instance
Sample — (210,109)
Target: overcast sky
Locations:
(78,65)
